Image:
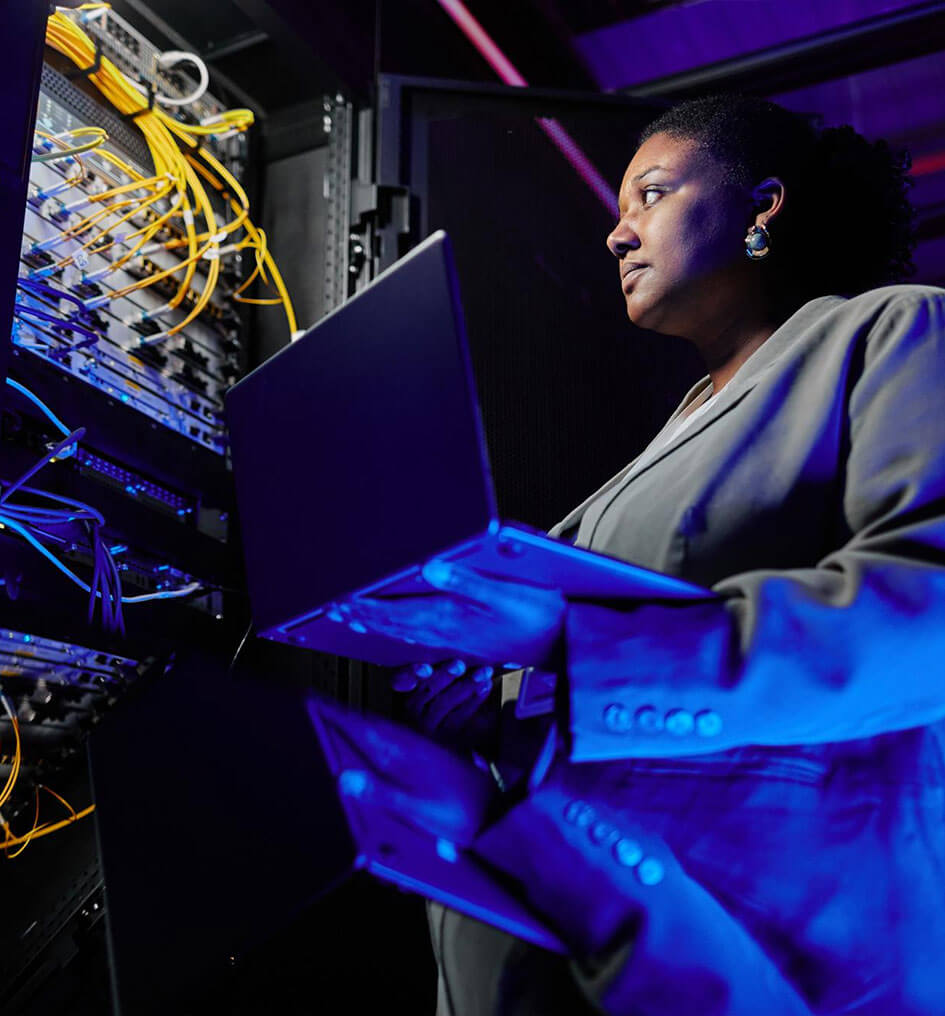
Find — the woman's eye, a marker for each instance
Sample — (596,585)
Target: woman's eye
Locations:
(651,195)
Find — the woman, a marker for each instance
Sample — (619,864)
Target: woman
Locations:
(745,808)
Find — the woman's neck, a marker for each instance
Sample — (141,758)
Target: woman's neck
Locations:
(728,341)
(724,358)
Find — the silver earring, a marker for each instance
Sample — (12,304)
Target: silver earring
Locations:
(757,243)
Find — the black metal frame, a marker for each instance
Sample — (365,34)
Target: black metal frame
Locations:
(851,49)
(404,106)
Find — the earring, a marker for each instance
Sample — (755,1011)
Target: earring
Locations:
(757,243)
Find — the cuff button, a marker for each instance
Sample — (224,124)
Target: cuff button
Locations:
(628,852)
(617,718)
(708,723)
(603,833)
(579,813)
(648,720)
(650,871)
(680,722)
(571,811)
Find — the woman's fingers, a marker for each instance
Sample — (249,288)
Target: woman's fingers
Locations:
(415,674)
(457,694)
(514,599)
(461,719)
(408,678)
(433,691)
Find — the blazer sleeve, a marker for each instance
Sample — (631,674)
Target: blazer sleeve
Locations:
(852,647)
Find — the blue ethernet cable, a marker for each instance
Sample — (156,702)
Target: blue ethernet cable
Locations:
(71,439)
(18,517)
(40,405)
(35,287)
(164,594)
(23,310)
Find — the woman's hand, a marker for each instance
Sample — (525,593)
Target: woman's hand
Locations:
(470,616)
(450,702)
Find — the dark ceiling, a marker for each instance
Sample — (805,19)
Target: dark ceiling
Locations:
(878,64)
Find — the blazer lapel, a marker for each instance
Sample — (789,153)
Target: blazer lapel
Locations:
(574,517)
(748,375)
(751,371)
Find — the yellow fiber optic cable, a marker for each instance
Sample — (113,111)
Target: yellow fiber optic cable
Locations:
(165,136)
(17,755)
(25,839)
(99,136)
(88,245)
(46,829)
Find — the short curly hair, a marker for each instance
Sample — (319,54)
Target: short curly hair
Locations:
(847,225)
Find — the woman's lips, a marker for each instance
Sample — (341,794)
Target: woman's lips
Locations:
(629,274)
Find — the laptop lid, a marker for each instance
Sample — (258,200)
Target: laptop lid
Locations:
(358,450)
(414,809)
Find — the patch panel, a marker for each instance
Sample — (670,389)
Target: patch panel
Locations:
(143,573)
(135,55)
(45,231)
(178,381)
(58,692)
(59,686)
(135,485)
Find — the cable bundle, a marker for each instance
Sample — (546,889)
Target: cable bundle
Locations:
(33,523)
(180,164)
(22,842)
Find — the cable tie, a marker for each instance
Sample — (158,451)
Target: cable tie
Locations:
(134,114)
(93,68)
(188,217)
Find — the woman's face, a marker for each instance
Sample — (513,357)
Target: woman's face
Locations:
(680,238)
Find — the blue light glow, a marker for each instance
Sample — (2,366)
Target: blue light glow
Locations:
(354,782)
(446,850)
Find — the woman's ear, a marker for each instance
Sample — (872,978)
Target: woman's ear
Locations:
(768,198)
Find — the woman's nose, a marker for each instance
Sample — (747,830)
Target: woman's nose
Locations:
(622,239)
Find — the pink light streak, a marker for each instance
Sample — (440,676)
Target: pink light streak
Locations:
(481,39)
(508,73)
(925,164)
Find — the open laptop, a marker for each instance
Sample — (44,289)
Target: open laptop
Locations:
(413,809)
(359,456)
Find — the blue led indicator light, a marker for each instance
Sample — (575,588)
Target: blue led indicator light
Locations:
(353,782)
(446,850)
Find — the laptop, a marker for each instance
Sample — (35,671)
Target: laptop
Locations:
(359,456)
(413,809)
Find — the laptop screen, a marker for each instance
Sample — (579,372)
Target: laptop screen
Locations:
(358,450)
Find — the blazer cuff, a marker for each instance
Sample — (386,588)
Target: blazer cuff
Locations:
(648,681)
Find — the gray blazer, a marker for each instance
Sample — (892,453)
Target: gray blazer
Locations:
(778,754)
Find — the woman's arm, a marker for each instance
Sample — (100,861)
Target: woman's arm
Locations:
(850,648)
